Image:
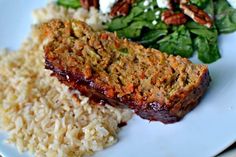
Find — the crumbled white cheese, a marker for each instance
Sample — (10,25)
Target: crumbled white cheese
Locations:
(145,10)
(157,13)
(106,5)
(152,7)
(154,22)
(232,3)
(146,3)
(162,3)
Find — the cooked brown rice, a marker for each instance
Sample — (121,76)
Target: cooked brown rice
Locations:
(39,112)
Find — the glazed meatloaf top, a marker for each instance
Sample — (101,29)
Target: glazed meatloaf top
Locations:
(123,70)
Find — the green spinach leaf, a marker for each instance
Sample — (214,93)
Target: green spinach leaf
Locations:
(148,16)
(207,49)
(205,42)
(148,38)
(225,17)
(124,21)
(69,3)
(199,3)
(209,8)
(200,30)
(134,29)
(177,43)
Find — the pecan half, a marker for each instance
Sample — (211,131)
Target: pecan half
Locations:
(122,7)
(89,3)
(171,18)
(197,15)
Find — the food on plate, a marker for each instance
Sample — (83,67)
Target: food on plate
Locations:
(177,27)
(40,114)
(116,71)
(45,117)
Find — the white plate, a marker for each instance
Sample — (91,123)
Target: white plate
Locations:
(205,131)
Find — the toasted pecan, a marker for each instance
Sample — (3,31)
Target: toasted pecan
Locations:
(122,7)
(197,14)
(171,18)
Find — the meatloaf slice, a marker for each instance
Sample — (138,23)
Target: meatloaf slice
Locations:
(122,73)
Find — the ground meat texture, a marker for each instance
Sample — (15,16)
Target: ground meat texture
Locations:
(157,86)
